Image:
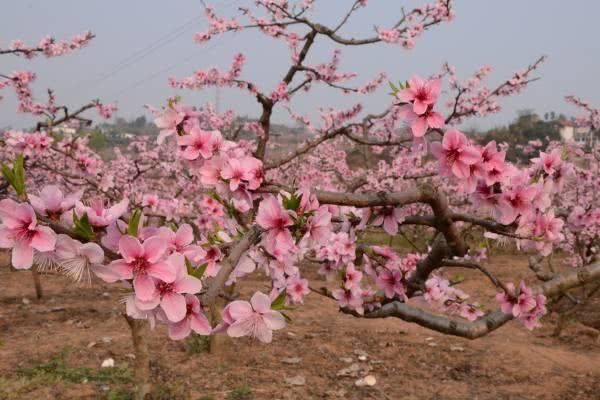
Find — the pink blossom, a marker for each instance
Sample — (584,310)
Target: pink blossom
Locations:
(470,311)
(389,217)
(173,118)
(524,305)
(150,200)
(194,320)
(19,230)
(100,216)
(181,242)
(421,93)
(516,304)
(275,220)
(350,298)
(52,202)
(550,162)
(516,201)
(170,294)
(198,143)
(390,282)
(352,277)
(213,256)
(491,158)
(455,154)
(296,289)
(319,225)
(106,110)
(235,171)
(79,260)
(419,124)
(254,318)
(142,263)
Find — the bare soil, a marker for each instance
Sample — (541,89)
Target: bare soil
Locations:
(53,349)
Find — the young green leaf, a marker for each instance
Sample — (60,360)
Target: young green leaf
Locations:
(82,227)
(196,272)
(134,223)
(279,302)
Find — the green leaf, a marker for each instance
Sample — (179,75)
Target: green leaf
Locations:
(292,202)
(456,279)
(134,223)
(83,229)
(287,318)
(279,302)
(8,174)
(19,168)
(196,272)
(16,175)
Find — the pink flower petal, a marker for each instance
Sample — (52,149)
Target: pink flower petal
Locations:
(162,270)
(200,324)
(239,309)
(144,286)
(180,330)
(174,306)
(130,248)
(261,302)
(22,255)
(44,239)
(154,248)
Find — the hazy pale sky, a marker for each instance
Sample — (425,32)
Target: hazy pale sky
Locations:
(141,43)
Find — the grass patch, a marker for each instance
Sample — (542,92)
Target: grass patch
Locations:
(242,392)
(399,243)
(119,394)
(197,344)
(16,388)
(56,369)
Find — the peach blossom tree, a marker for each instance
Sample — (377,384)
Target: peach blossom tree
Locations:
(213,201)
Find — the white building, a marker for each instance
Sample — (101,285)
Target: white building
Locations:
(581,135)
(65,130)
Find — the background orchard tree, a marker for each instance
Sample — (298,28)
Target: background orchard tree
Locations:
(180,219)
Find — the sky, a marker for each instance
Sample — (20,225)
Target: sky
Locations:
(141,43)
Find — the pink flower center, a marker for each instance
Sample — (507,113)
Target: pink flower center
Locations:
(280,223)
(516,201)
(140,265)
(164,288)
(387,211)
(452,155)
(199,144)
(422,94)
(390,279)
(23,233)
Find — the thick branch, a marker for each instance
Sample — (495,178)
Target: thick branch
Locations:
(490,322)
(250,238)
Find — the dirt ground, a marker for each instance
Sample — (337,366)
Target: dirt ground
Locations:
(53,349)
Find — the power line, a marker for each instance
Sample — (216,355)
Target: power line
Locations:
(168,68)
(146,51)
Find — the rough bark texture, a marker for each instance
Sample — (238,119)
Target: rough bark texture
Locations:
(39,292)
(490,322)
(143,384)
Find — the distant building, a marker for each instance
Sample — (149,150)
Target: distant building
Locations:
(581,135)
(65,130)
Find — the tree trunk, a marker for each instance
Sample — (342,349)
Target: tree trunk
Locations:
(143,384)
(39,294)
(218,342)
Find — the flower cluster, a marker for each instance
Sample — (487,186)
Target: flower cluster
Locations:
(50,47)
(523,304)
